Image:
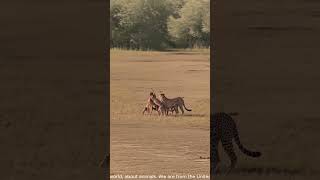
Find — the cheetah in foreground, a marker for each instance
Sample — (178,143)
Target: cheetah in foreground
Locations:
(223,128)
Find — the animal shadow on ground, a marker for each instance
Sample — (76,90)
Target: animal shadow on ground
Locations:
(267,171)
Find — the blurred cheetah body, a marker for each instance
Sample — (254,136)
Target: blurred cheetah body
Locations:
(224,129)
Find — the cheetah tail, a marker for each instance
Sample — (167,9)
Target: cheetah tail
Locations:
(186,107)
(242,148)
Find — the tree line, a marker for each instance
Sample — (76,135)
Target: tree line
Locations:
(159,24)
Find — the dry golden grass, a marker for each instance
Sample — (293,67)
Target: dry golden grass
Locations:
(117,52)
(152,144)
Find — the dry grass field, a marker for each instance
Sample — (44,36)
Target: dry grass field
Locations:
(153,145)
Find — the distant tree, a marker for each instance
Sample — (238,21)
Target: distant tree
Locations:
(140,23)
(145,24)
(192,27)
(118,32)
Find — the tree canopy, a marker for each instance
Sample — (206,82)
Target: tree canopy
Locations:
(159,24)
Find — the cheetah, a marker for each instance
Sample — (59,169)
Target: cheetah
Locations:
(223,128)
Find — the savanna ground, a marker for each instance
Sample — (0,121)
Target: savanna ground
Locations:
(153,145)
(277,117)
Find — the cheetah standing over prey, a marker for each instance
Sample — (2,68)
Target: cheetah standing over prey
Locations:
(174,103)
(223,128)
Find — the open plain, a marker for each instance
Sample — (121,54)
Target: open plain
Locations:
(153,145)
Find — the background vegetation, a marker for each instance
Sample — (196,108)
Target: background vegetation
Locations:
(159,24)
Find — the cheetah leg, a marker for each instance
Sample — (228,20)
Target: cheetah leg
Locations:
(214,159)
(163,111)
(218,157)
(214,154)
(182,111)
(176,110)
(228,148)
